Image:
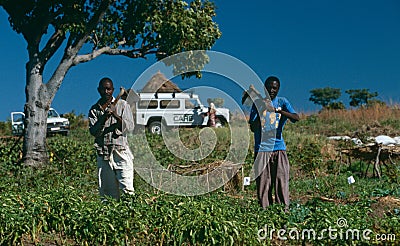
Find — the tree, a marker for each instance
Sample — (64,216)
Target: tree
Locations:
(218,102)
(131,28)
(335,105)
(76,121)
(326,97)
(360,97)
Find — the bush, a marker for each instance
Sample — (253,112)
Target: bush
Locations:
(76,121)
(5,128)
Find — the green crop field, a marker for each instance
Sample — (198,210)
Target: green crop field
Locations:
(59,203)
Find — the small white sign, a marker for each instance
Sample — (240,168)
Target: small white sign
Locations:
(246,181)
(351,180)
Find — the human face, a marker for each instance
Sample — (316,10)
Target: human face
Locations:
(106,90)
(273,89)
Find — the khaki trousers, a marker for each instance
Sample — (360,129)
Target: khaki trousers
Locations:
(116,174)
(272,173)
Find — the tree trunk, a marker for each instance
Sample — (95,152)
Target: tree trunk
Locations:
(36,108)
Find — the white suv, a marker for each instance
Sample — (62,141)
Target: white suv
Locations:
(55,123)
(174,109)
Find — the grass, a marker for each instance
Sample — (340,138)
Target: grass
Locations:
(60,205)
(378,119)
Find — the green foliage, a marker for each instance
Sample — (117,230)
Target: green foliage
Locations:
(5,128)
(60,205)
(76,121)
(326,97)
(72,156)
(10,151)
(131,28)
(218,102)
(335,105)
(155,27)
(391,122)
(305,151)
(375,102)
(361,97)
(190,139)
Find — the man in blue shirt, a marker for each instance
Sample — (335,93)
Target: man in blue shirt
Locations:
(267,119)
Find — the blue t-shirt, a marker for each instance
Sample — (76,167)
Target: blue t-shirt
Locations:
(268,136)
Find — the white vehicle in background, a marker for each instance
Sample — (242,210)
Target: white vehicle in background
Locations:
(55,123)
(174,109)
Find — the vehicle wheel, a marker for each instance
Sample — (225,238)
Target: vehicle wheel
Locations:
(155,127)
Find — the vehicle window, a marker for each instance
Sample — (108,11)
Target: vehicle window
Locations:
(170,104)
(151,104)
(191,103)
(18,118)
(51,114)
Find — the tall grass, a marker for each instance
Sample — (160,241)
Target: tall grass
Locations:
(364,115)
(377,119)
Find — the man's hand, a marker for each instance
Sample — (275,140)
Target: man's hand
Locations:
(112,111)
(268,105)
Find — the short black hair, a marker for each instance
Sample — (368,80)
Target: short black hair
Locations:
(271,79)
(104,80)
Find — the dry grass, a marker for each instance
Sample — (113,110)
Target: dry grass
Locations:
(368,115)
(372,121)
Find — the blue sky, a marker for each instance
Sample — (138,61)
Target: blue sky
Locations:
(307,44)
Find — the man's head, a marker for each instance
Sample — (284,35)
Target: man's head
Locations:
(106,88)
(272,85)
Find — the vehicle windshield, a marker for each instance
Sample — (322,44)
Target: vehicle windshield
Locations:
(192,103)
(18,118)
(52,113)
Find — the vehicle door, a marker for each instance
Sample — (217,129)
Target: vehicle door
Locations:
(17,123)
(171,111)
(194,112)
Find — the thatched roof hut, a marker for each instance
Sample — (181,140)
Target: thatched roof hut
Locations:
(159,83)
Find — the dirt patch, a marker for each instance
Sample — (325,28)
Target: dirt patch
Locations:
(384,206)
(329,151)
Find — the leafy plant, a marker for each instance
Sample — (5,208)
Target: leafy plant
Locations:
(60,204)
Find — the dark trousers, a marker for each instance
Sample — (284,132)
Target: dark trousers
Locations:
(272,173)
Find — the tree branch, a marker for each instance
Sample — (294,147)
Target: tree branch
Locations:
(52,46)
(133,53)
(108,51)
(74,44)
(92,23)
